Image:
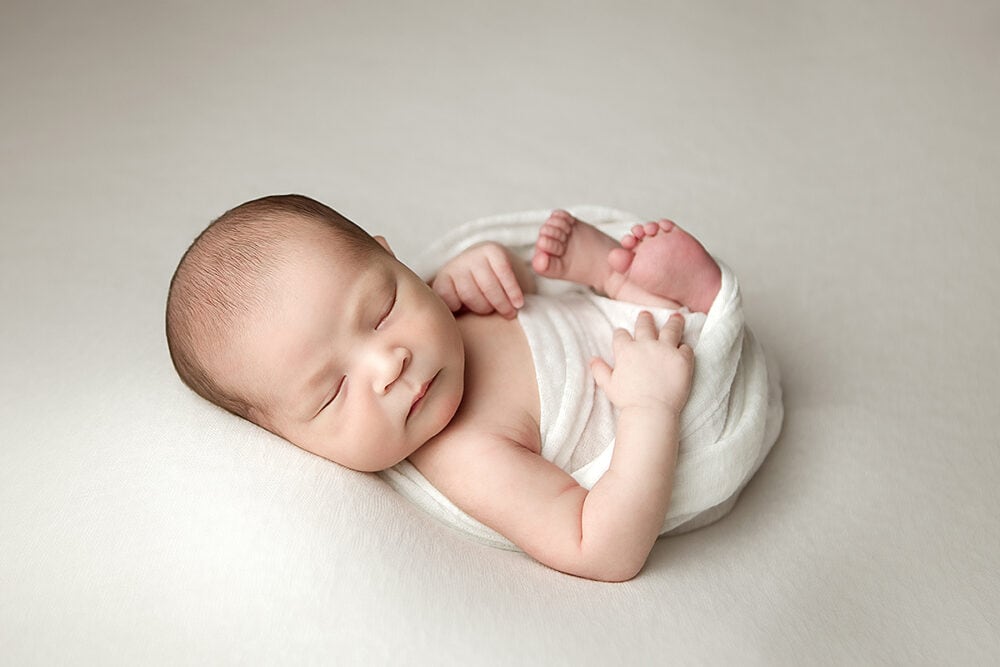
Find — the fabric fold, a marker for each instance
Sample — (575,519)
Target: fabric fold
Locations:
(732,418)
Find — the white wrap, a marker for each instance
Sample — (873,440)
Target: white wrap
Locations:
(731,420)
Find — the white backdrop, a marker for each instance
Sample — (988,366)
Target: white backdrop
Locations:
(843,158)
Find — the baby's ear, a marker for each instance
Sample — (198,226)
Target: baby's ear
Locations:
(385,244)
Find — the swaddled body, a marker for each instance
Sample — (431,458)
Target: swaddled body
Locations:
(288,314)
(727,428)
(564,333)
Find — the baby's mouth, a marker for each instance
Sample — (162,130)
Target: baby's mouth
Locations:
(419,397)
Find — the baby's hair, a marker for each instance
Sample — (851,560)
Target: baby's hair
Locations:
(218,283)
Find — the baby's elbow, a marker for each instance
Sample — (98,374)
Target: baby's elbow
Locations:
(615,560)
(619,574)
(613,570)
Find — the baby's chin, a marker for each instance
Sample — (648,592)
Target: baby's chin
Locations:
(358,466)
(370,464)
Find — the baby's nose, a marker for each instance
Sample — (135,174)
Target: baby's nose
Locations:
(391,367)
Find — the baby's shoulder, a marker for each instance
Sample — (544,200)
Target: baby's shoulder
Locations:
(499,420)
(464,445)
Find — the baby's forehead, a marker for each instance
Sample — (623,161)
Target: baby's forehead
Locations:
(306,266)
(312,241)
(313,260)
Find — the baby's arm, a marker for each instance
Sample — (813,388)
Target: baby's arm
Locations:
(486,277)
(650,384)
(606,533)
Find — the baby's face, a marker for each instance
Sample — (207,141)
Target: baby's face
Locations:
(362,362)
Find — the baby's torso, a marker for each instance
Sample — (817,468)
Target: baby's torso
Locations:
(501,393)
(529,380)
(563,332)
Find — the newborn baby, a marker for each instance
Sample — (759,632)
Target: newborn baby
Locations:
(287,314)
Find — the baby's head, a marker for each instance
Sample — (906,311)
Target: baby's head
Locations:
(289,315)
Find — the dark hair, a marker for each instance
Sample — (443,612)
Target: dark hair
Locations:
(218,283)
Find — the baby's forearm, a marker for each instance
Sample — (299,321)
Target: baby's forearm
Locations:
(623,513)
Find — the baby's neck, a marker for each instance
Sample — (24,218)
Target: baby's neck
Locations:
(501,391)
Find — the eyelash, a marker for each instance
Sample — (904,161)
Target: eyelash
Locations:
(336,393)
(385,316)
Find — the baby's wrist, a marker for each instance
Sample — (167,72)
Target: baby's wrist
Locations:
(652,410)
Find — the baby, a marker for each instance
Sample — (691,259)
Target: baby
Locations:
(287,314)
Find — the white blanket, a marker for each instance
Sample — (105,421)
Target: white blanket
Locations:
(731,420)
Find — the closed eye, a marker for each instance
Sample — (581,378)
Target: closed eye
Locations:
(336,393)
(388,310)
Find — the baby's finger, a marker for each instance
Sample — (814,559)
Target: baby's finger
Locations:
(508,280)
(645,327)
(493,291)
(618,339)
(673,330)
(472,297)
(602,372)
(444,286)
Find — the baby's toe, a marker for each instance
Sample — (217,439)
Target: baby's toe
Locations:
(540,262)
(558,232)
(620,259)
(550,245)
(561,220)
(564,215)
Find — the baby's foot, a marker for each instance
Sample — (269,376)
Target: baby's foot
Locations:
(569,249)
(662,259)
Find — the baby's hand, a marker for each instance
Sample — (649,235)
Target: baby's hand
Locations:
(652,370)
(482,279)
